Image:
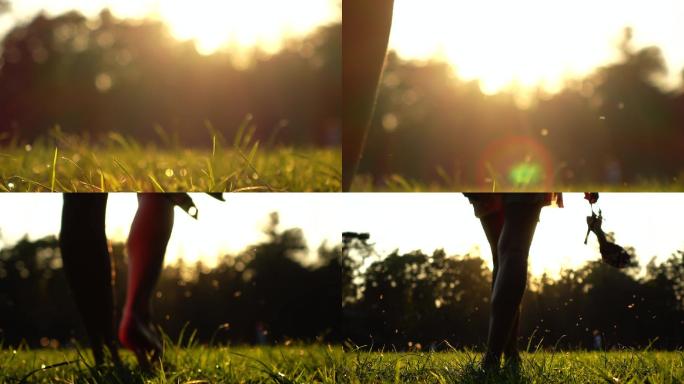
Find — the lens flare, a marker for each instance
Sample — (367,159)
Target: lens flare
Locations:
(516,161)
(525,173)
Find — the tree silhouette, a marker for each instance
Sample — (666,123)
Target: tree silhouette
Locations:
(617,125)
(266,284)
(93,76)
(418,301)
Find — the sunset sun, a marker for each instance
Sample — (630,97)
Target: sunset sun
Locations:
(263,23)
(532,43)
(212,25)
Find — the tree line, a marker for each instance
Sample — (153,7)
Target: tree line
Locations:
(616,126)
(93,76)
(265,294)
(422,301)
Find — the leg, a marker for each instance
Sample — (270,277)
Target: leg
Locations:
(492,225)
(365,33)
(87,266)
(511,353)
(520,221)
(146,246)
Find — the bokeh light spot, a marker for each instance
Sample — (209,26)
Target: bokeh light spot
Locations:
(390,122)
(525,173)
(103,82)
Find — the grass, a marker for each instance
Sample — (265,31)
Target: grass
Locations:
(190,365)
(65,163)
(398,183)
(328,364)
(538,367)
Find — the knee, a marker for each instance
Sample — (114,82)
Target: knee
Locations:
(512,258)
(507,300)
(511,271)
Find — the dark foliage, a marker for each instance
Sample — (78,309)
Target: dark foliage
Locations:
(266,285)
(615,126)
(434,301)
(96,76)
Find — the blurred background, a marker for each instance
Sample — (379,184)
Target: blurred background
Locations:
(141,67)
(423,279)
(257,269)
(530,94)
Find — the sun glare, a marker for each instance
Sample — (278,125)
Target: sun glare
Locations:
(532,43)
(408,222)
(245,24)
(221,227)
(241,25)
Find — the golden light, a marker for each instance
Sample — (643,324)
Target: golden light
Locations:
(229,227)
(429,221)
(212,24)
(221,227)
(524,44)
(245,24)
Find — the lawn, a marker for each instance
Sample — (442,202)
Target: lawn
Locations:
(398,183)
(538,367)
(65,163)
(328,364)
(196,365)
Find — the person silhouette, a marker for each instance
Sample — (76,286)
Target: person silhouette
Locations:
(87,264)
(509,221)
(366,30)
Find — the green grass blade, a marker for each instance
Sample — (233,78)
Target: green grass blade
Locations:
(54,171)
(156,183)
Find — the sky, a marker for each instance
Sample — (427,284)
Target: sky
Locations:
(651,223)
(221,228)
(211,23)
(535,42)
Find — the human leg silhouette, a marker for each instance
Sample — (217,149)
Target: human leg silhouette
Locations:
(87,266)
(147,241)
(493,224)
(510,277)
(365,32)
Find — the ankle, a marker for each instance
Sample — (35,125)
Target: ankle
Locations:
(491,361)
(512,360)
(511,355)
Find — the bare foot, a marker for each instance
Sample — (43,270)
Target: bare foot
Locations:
(140,337)
(512,363)
(114,353)
(490,363)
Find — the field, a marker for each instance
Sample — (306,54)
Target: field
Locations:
(538,367)
(326,364)
(398,183)
(75,164)
(196,365)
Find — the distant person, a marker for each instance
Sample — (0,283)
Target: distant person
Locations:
(365,32)
(597,340)
(261,333)
(87,264)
